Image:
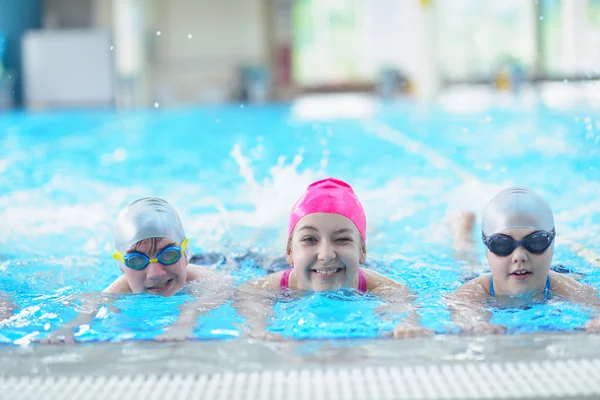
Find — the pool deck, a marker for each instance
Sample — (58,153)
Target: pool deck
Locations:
(245,355)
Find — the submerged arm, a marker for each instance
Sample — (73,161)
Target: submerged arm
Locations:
(468,309)
(579,293)
(400,300)
(92,302)
(254,300)
(210,291)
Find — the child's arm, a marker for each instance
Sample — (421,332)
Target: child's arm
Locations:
(468,310)
(211,290)
(254,300)
(400,300)
(577,292)
(65,333)
(91,304)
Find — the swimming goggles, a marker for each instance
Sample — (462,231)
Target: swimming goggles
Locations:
(502,245)
(138,261)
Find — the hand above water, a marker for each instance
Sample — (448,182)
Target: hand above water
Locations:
(263,334)
(61,336)
(592,325)
(406,330)
(176,333)
(482,328)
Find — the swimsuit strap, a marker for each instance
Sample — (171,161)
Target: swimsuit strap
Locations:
(362,281)
(547,292)
(492,292)
(285,279)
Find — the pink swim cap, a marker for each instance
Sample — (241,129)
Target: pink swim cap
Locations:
(330,196)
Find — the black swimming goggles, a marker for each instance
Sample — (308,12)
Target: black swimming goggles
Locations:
(502,245)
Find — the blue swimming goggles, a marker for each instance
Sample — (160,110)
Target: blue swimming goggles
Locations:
(502,245)
(138,261)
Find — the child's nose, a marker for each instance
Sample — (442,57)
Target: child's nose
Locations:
(155,270)
(326,251)
(519,255)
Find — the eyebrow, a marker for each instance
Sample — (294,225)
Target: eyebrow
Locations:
(340,231)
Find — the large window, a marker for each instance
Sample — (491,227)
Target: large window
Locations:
(474,37)
(344,41)
(570,38)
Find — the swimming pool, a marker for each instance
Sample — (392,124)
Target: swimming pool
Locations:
(233,172)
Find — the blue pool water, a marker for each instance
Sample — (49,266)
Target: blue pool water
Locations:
(233,173)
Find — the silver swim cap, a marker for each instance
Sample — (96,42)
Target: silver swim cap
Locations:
(517,207)
(148,217)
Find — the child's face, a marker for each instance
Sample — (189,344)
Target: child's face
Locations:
(156,278)
(325,251)
(534,268)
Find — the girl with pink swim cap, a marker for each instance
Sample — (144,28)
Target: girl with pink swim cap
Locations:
(326,247)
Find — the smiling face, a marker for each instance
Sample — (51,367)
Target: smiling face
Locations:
(156,278)
(521,272)
(325,250)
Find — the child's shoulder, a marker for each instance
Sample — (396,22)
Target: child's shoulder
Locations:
(119,285)
(196,272)
(476,288)
(379,282)
(568,287)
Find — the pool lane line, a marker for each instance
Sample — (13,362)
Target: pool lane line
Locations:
(394,136)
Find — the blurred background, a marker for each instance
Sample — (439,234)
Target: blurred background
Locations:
(156,53)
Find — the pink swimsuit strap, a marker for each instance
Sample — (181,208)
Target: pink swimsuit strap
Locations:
(285,280)
(362,281)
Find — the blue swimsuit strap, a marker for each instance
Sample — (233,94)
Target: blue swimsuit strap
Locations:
(546,289)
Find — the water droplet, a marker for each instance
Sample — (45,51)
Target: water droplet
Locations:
(241,106)
(190,36)
(112,47)
(156,105)
(157,33)
(120,154)
(541,18)
(217,121)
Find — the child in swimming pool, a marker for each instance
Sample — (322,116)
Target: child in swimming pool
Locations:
(518,231)
(326,248)
(151,250)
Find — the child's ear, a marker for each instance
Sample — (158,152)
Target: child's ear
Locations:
(288,256)
(363,253)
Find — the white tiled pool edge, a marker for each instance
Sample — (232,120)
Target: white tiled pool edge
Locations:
(558,379)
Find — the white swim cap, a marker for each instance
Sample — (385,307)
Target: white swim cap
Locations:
(148,217)
(517,207)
